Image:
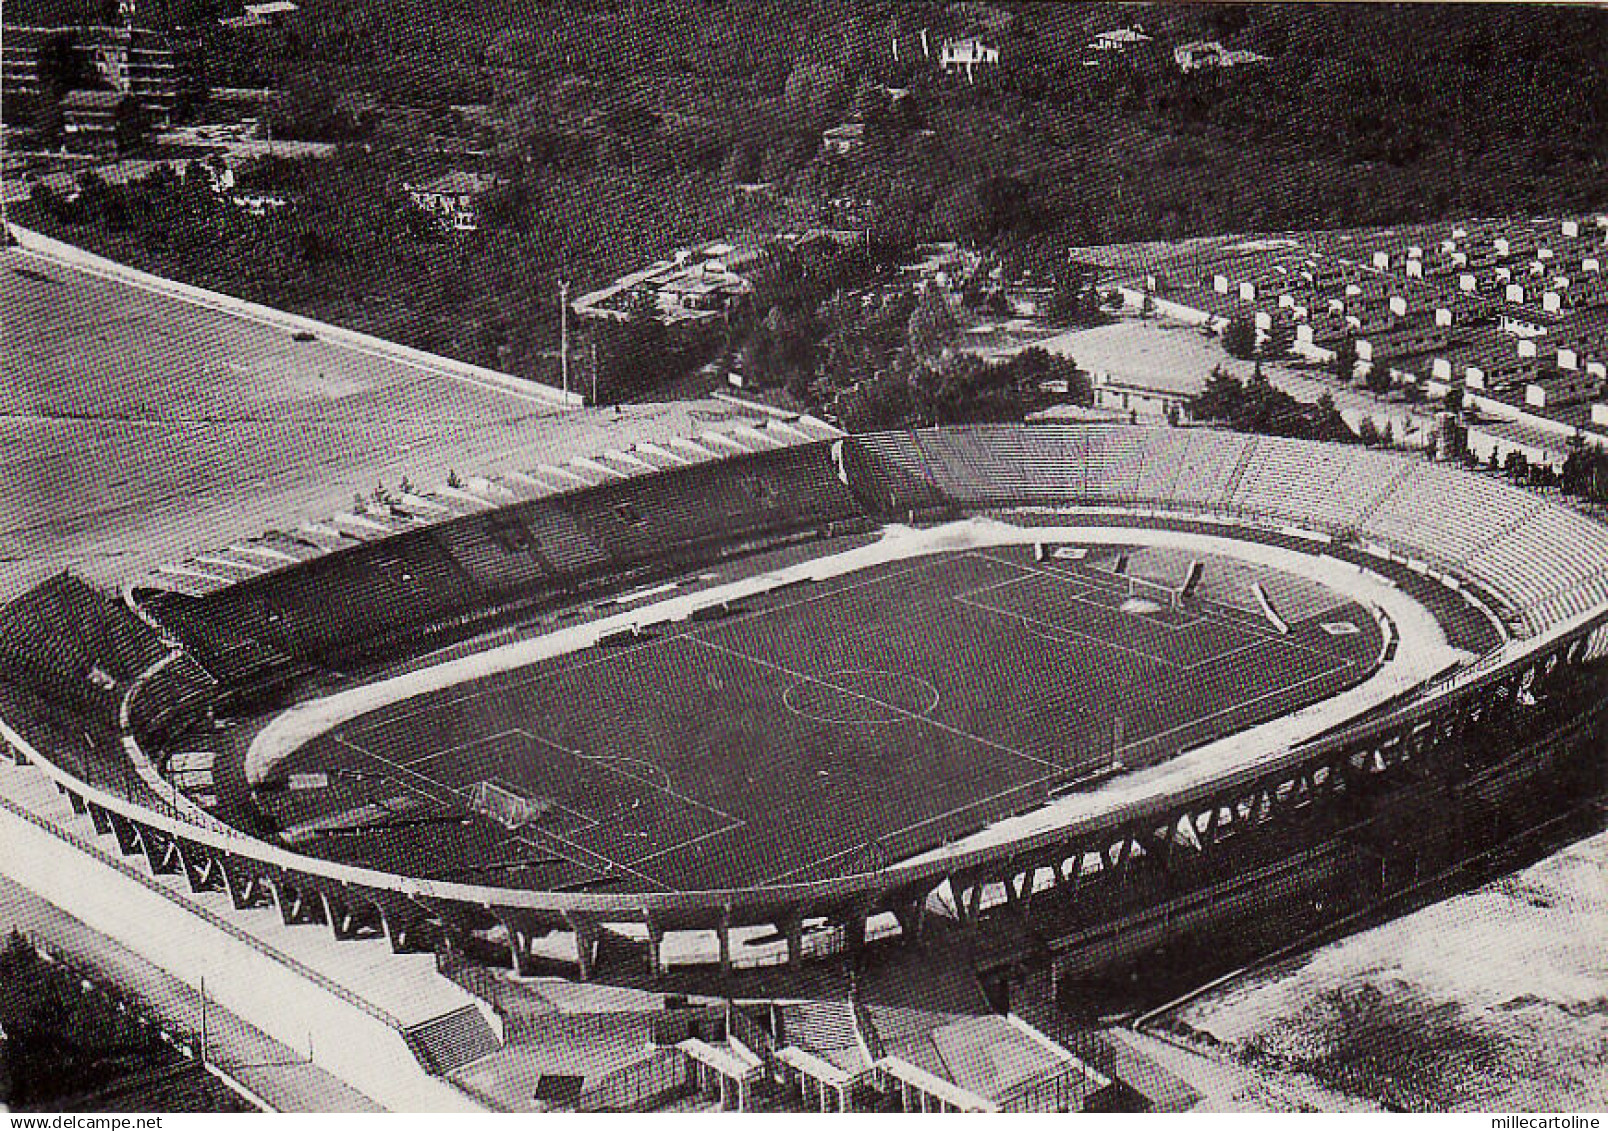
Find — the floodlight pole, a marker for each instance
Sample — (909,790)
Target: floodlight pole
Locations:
(563,333)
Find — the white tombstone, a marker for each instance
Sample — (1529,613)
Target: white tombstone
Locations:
(1220,284)
(1501,246)
(1247,292)
(1443,316)
(1475,376)
(1570,229)
(1468,283)
(1515,293)
(1568,359)
(1535,396)
(1526,347)
(1551,302)
(1415,268)
(1599,414)
(1441,368)
(1381,260)
(1398,305)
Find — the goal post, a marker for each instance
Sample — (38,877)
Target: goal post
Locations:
(1156,592)
(509,808)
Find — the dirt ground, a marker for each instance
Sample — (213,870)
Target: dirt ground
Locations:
(1171,356)
(1493,1000)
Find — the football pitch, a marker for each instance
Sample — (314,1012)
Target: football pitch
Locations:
(815,731)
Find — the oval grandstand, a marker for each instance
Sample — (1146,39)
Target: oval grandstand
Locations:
(1533,571)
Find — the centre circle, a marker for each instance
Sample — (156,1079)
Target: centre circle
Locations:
(861,695)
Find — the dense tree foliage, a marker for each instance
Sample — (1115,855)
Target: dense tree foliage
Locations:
(624,129)
(1255,405)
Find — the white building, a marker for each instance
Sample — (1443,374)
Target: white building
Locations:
(966,55)
(1119,40)
(1202,54)
(453,198)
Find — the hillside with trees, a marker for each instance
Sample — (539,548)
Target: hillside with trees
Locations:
(622,130)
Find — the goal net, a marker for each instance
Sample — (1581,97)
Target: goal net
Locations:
(1156,592)
(509,809)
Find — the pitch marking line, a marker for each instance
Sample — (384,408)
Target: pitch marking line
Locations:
(609,657)
(1082,593)
(601,760)
(1231,708)
(423,758)
(895,708)
(457,796)
(1061,630)
(1099,579)
(935,818)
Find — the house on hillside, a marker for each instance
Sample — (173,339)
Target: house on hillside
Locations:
(100,121)
(844,139)
(454,198)
(269,13)
(966,56)
(1119,40)
(1203,54)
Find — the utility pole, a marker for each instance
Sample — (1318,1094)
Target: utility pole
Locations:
(563,333)
(203,1021)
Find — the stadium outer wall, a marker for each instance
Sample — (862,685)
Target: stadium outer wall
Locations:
(1461,750)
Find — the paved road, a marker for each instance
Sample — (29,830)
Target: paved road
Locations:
(280,1075)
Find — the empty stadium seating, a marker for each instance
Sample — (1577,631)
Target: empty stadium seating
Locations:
(78,645)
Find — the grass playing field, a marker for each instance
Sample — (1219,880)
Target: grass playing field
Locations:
(816,731)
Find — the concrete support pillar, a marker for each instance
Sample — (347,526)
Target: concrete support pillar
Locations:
(158,853)
(128,836)
(792,928)
(586,944)
(910,918)
(854,932)
(656,966)
(723,937)
(336,915)
(101,819)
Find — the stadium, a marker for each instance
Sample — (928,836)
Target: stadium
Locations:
(764,701)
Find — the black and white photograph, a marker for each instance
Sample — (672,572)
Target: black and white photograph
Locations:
(803,557)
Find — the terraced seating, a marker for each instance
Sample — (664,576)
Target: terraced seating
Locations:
(1314,485)
(498,550)
(1446,513)
(649,517)
(1115,462)
(359,596)
(890,476)
(1208,467)
(169,699)
(74,644)
(1545,563)
(1163,463)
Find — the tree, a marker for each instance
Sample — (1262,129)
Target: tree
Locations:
(1345,359)
(632,355)
(817,94)
(933,327)
(1239,337)
(884,401)
(1280,337)
(1453,400)
(1379,380)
